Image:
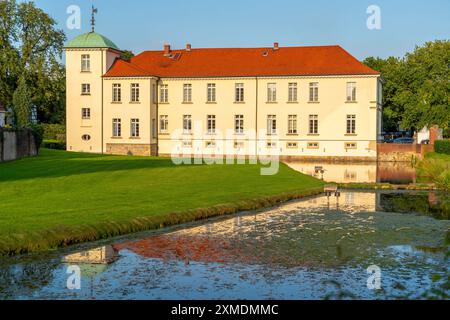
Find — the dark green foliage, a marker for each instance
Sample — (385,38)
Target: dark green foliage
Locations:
(54,144)
(54,131)
(442,146)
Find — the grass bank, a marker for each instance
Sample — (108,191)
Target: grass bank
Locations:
(61,198)
(435,168)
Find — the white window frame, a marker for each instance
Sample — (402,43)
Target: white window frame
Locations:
(117,127)
(211,123)
(117,92)
(313,127)
(351,124)
(187,93)
(135,92)
(85,63)
(211,92)
(134,128)
(164,93)
(187,124)
(85,89)
(271,124)
(239,92)
(292,124)
(313,92)
(351,91)
(292,92)
(271,92)
(163,123)
(85,113)
(239,124)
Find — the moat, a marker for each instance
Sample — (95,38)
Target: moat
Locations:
(313,248)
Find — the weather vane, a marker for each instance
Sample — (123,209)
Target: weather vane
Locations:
(94,11)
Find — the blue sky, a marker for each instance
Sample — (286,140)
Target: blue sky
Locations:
(140,25)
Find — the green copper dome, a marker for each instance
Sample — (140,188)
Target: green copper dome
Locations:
(91,40)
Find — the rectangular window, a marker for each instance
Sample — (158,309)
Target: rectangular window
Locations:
(187,144)
(313,91)
(239,96)
(351,91)
(238,144)
(117,92)
(239,123)
(350,145)
(211,123)
(210,144)
(271,92)
(164,93)
(187,93)
(117,128)
(313,124)
(85,63)
(211,92)
(163,123)
(134,125)
(271,124)
(135,92)
(291,145)
(292,92)
(313,145)
(271,144)
(292,124)
(85,89)
(187,124)
(351,124)
(86,113)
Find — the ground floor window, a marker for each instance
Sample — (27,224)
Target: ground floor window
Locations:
(351,124)
(86,113)
(117,127)
(211,123)
(187,124)
(313,145)
(239,123)
(291,145)
(134,128)
(314,124)
(350,145)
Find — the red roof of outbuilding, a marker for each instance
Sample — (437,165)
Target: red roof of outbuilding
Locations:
(242,62)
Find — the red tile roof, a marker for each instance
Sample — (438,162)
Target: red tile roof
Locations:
(242,62)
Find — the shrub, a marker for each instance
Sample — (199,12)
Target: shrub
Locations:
(54,132)
(442,146)
(54,144)
(38,133)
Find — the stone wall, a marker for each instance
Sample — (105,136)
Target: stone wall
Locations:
(16,144)
(131,149)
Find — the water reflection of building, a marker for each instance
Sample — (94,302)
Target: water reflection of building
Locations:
(101,255)
(394,172)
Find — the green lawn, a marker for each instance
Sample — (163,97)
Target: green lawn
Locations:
(62,198)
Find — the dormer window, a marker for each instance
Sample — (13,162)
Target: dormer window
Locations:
(85,63)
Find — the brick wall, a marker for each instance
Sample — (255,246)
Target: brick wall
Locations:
(402,152)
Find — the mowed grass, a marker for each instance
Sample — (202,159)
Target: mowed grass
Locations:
(60,198)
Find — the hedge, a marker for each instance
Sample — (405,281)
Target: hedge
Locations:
(54,132)
(442,146)
(53,144)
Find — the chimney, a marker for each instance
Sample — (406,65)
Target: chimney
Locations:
(276,46)
(188,47)
(166,49)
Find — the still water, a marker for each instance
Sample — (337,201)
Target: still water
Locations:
(364,172)
(314,248)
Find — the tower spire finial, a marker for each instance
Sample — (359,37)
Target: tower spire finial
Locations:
(94,11)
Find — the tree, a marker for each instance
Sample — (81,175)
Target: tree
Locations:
(22,104)
(126,55)
(30,51)
(425,92)
(416,89)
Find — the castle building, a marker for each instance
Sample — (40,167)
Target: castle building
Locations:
(316,102)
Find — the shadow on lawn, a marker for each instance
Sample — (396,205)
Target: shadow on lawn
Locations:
(51,163)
